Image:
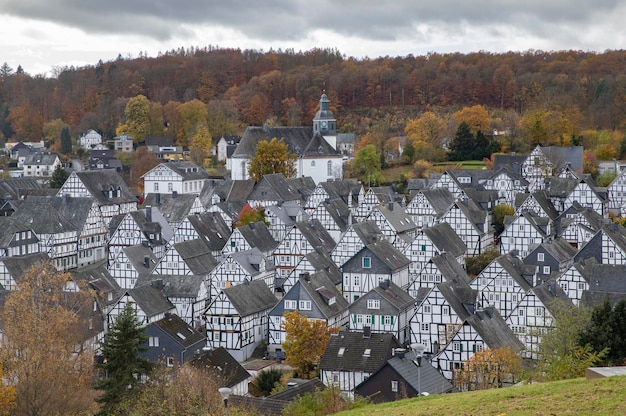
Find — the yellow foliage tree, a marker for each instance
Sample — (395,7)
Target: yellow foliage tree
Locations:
(272,157)
(428,128)
(200,146)
(46,327)
(192,114)
(138,115)
(476,117)
(7,396)
(305,341)
(489,369)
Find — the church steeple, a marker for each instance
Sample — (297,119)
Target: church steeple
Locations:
(324,121)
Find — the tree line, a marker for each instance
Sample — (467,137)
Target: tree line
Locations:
(249,87)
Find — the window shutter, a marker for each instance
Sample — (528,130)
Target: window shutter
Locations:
(354,318)
(473,348)
(392,319)
(461,347)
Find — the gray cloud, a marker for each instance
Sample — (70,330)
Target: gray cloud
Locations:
(280,20)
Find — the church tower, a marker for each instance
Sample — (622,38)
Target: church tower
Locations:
(324,122)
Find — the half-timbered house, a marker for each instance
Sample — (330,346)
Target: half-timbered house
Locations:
(276,189)
(551,256)
(182,177)
(373,264)
(427,205)
(607,246)
(236,318)
(106,187)
(536,169)
(563,192)
(132,263)
(395,223)
(334,215)
(282,218)
(537,203)
(357,236)
(191,257)
(16,239)
(437,269)
(314,296)
(12,268)
(524,231)
(507,183)
(616,194)
(253,235)
(348,190)
(150,304)
(577,225)
(575,279)
(207,227)
(241,266)
(174,208)
(472,224)
(384,309)
(351,357)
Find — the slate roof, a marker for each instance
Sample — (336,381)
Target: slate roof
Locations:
(250,260)
(512,161)
(562,156)
(542,200)
(174,286)
(341,189)
(212,229)
(316,235)
(250,297)
(76,210)
(558,248)
(234,190)
(287,212)
(323,263)
(440,199)
(43,218)
(319,289)
(338,211)
(299,140)
(41,159)
(219,362)
(99,279)
(98,182)
(368,231)
(517,270)
(13,188)
(393,299)
(560,187)
(354,345)
(430,379)
(258,236)
(150,300)
(17,266)
(197,256)
(551,295)
(137,256)
(508,171)
(460,296)
(397,217)
(389,255)
(445,239)
(8,227)
(493,329)
(449,267)
(185,169)
(173,208)
(174,326)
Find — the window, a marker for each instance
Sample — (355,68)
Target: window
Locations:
(394,386)
(539,256)
(170,187)
(233,243)
(170,361)
(425,327)
(153,341)
(387,320)
(156,187)
(367,262)
(367,352)
(456,346)
(357,281)
(368,319)
(546,269)
(329,168)
(312,163)
(290,304)
(426,308)
(445,310)
(359,319)
(373,304)
(305,305)
(539,311)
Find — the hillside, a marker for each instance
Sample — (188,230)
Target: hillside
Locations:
(570,397)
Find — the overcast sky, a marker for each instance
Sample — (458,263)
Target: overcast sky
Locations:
(42,34)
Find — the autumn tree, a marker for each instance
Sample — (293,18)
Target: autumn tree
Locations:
(200,146)
(26,122)
(52,132)
(272,157)
(489,369)
(476,264)
(427,128)
(476,117)
(44,346)
(143,160)
(193,114)
(499,212)
(7,396)
(250,215)
(122,366)
(327,401)
(366,165)
(138,122)
(305,341)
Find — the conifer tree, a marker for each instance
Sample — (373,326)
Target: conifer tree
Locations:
(58,178)
(122,365)
(66,141)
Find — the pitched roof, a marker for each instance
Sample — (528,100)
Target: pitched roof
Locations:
(298,140)
(179,331)
(17,266)
(13,188)
(185,169)
(150,300)
(8,227)
(368,231)
(494,330)
(174,208)
(445,239)
(219,362)
(43,218)
(41,159)
(352,351)
(141,257)
(563,156)
(250,297)
(197,256)
(316,235)
(393,299)
(99,182)
(512,161)
(460,296)
(234,190)
(440,199)
(428,377)
(389,254)
(258,236)
(395,214)
(211,228)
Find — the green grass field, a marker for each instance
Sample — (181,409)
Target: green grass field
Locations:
(597,397)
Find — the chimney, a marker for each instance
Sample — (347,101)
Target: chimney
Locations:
(146,261)
(367,332)
(174,194)
(157,198)
(148,213)
(306,276)
(399,352)
(391,206)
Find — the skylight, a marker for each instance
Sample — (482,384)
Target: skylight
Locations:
(341,351)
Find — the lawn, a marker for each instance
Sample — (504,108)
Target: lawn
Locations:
(596,397)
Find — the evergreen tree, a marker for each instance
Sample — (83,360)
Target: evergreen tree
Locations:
(66,141)
(122,364)
(464,143)
(58,178)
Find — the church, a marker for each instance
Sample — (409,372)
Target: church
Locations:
(316,147)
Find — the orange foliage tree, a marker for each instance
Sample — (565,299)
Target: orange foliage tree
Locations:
(305,341)
(249,214)
(489,369)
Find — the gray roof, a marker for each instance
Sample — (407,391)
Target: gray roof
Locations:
(41,159)
(276,187)
(397,217)
(516,269)
(393,300)
(250,260)
(223,365)
(460,296)
(512,161)
(138,255)
(560,187)
(17,266)
(449,267)
(187,170)
(75,210)
(212,229)
(445,239)
(173,208)
(430,379)
(368,231)
(99,182)
(234,190)
(174,326)
(8,227)
(338,211)
(558,248)
(316,235)
(389,254)
(354,345)
(250,297)
(258,236)
(13,188)
(299,140)
(440,199)
(494,330)
(341,189)
(542,200)
(197,256)
(346,138)
(151,300)
(323,263)
(43,218)
(562,156)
